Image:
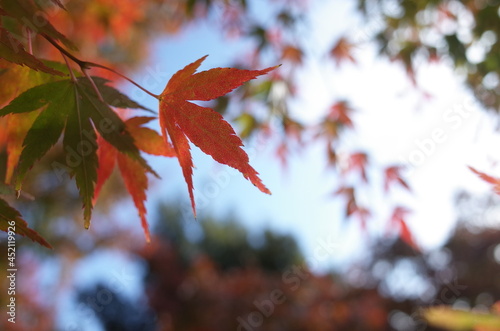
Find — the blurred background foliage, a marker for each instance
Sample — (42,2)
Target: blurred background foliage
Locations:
(219,278)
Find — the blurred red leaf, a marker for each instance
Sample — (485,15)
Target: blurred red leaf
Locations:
(342,51)
(340,111)
(495,181)
(348,193)
(282,154)
(392,175)
(331,155)
(363,214)
(293,129)
(358,162)
(292,54)
(398,220)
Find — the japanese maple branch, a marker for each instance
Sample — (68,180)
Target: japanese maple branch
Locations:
(84,65)
(80,63)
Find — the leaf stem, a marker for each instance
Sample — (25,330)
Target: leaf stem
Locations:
(72,75)
(97,65)
(84,65)
(94,86)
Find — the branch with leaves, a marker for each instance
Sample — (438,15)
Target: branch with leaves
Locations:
(82,109)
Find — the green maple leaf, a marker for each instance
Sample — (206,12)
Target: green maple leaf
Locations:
(114,97)
(74,109)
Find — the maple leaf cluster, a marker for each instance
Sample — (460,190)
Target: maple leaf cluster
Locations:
(83,110)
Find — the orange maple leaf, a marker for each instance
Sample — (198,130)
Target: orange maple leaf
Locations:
(292,54)
(398,220)
(181,120)
(132,172)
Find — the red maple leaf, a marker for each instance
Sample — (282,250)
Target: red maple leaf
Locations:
(182,120)
(357,162)
(133,173)
(398,220)
(363,215)
(392,175)
(349,194)
(487,178)
(341,112)
(342,51)
(282,154)
(352,207)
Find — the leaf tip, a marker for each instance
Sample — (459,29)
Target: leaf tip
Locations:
(257,182)
(86,224)
(145,228)
(193,206)
(46,244)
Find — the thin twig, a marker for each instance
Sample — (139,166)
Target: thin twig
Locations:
(81,64)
